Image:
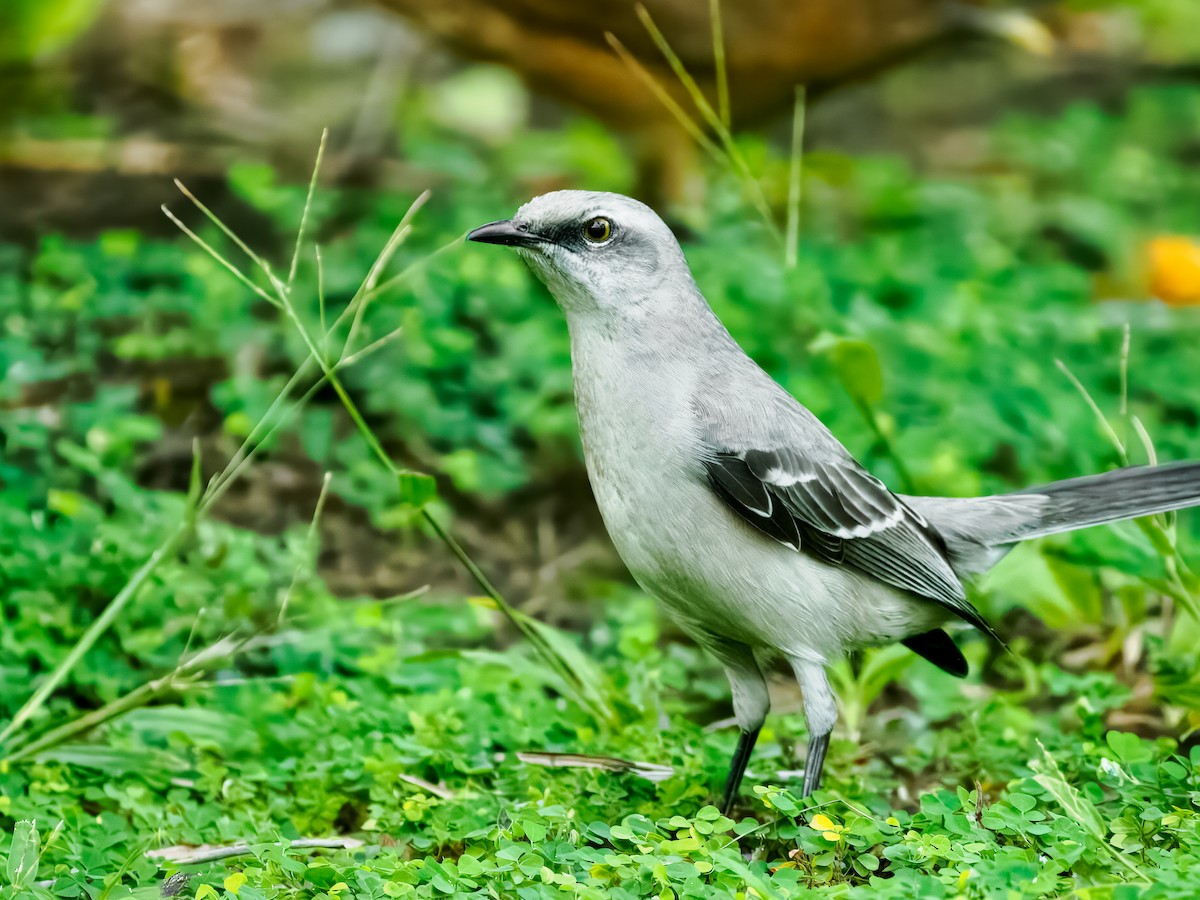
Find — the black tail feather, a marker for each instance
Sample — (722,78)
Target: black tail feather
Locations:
(937,647)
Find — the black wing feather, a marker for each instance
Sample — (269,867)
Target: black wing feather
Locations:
(736,480)
(843,515)
(728,475)
(830,548)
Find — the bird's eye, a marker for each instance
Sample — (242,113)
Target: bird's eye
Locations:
(598,230)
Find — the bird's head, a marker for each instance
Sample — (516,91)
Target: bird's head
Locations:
(599,254)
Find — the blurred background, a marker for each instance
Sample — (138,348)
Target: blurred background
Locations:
(970,215)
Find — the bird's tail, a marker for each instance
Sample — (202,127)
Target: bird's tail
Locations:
(979,531)
(1121,494)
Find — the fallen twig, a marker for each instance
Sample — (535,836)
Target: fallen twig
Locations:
(183,855)
(649,771)
(436,790)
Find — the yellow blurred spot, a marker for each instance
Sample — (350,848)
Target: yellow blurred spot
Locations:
(1174,264)
(234,882)
(893,821)
(162,393)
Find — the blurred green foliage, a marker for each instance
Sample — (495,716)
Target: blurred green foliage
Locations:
(922,323)
(33,29)
(968,289)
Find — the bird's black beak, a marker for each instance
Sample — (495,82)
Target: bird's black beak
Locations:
(505,232)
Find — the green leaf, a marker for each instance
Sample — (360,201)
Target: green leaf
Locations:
(114,760)
(416,489)
(1129,748)
(36,28)
(1076,806)
(590,681)
(23,856)
(1023,802)
(234,882)
(857,366)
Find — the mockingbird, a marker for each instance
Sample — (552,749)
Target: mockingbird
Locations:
(735,507)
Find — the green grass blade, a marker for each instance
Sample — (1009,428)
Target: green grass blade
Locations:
(795,173)
(1105,425)
(102,623)
(312,188)
(229,233)
(731,154)
(718,42)
(1078,808)
(643,74)
(329,370)
(308,552)
(233,270)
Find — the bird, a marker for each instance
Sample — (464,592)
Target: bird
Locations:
(736,508)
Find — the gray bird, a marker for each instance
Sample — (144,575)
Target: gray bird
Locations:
(735,507)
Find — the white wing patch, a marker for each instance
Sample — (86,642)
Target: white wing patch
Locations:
(780,478)
(868,528)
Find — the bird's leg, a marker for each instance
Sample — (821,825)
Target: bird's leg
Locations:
(741,756)
(820,711)
(750,705)
(817,745)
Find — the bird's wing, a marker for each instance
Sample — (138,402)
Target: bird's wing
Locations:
(825,503)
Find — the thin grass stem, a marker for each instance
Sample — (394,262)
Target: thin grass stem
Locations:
(718,42)
(732,155)
(227,231)
(403,230)
(677,111)
(329,370)
(312,188)
(412,267)
(219,484)
(101,624)
(373,346)
(308,550)
(1105,425)
(208,248)
(795,173)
